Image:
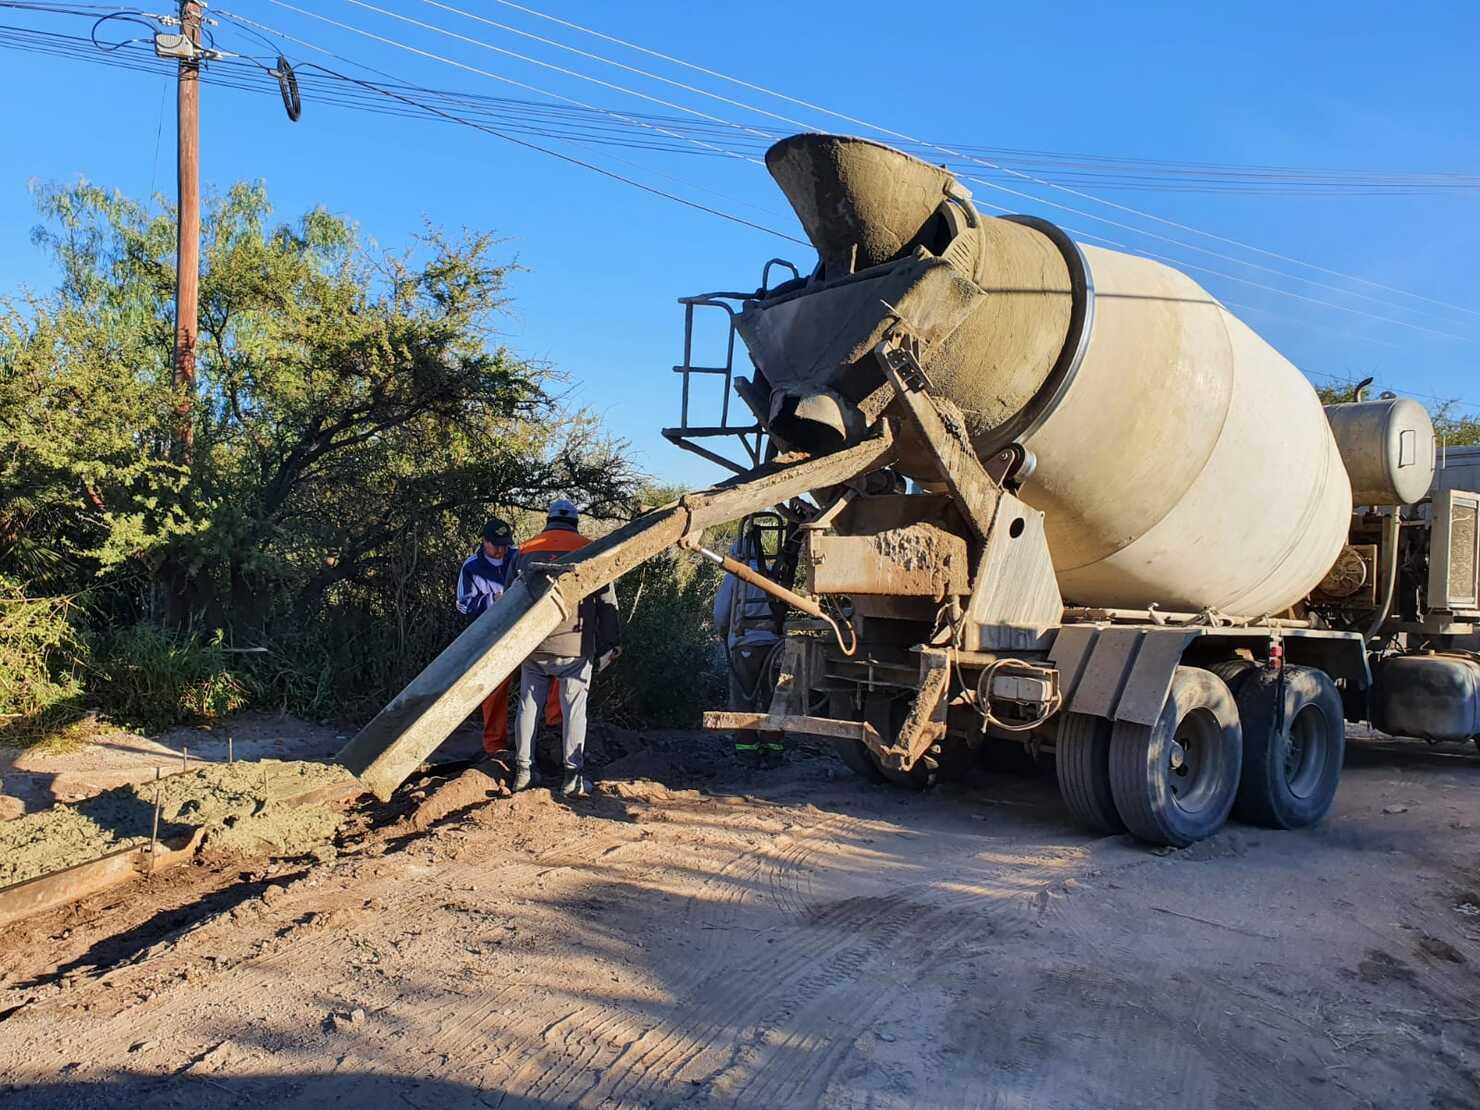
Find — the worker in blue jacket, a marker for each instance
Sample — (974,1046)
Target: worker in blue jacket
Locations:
(484,575)
(486,572)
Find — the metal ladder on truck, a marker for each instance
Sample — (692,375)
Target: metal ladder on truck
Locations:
(752,437)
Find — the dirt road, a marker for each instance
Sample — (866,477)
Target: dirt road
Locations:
(695,935)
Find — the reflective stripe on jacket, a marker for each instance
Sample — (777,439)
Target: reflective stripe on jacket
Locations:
(742,613)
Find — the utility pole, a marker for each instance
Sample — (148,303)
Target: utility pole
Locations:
(187,276)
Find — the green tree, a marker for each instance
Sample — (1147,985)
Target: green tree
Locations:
(355,417)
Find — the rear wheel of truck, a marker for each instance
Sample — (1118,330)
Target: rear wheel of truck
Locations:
(887,714)
(1292,760)
(1235,672)
(854,753)
(1082,756)
(1174,782)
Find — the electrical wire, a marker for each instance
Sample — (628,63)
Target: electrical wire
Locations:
(630,69)
(954,153)
(975,179)
(1209,172)
(1015,192)
(1457,402)
(1113,171)
(1114,244)
(418,106)
(487,73)
(400,92)
(122,17)
(534,146)
(1267,288)
(1109,171)
(381,101)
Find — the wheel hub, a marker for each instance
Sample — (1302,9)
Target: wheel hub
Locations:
(1305,752)
(1193,764)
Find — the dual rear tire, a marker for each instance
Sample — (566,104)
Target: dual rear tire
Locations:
(1294,744)
(1244,741)
(1174,782)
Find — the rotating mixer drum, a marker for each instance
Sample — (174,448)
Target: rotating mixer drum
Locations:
(1181,460)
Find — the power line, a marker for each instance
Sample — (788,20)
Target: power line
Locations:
(990,184)
(1442,402)
(1253,177)
(524,143)
(1049,184)
(1109,171)
(421,106)
(1215,254)
(482,72)
(139,64)
(629,69)
(597,57)
(1015,192)
(1261,310)
(1267,288)
(1085,235)
(522,58)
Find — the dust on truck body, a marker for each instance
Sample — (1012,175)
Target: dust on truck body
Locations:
(1134,539)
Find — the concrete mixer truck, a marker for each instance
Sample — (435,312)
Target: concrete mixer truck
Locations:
(1033,493)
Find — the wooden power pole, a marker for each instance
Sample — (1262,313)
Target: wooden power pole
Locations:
(187,276)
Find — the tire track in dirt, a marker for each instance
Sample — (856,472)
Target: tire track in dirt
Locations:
(827,968)
(656,1055)
(736,881)
(804,1064)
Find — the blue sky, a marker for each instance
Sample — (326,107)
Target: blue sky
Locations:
(1349,86)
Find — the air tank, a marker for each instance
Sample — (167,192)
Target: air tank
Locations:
(1387,446)
(1181,460)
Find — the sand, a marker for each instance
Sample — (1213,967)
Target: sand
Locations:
(697,934)
(240,805)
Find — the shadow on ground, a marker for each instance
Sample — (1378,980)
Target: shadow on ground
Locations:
(281,1092)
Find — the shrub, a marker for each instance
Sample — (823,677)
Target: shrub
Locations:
(672,665)
(149,678)
(39,655)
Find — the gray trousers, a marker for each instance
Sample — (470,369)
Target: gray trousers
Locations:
(574,676)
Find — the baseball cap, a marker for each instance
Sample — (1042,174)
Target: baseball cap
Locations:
(498,533)
(564,511)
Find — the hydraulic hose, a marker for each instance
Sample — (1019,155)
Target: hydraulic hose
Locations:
(795,600)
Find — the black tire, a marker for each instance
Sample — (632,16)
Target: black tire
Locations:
(858,759)
(1082,756)
(1290,773)
(1174,782)
(887,713)
(854,753)
(1235,672)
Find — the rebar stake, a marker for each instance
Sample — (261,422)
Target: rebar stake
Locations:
(230,753)
(154,834)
